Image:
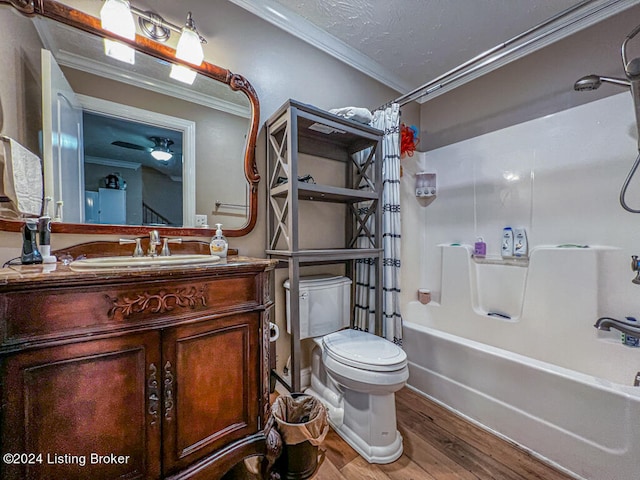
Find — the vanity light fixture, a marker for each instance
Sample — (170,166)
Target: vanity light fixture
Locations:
(117,17)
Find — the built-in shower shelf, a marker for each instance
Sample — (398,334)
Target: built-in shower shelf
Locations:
(510,261)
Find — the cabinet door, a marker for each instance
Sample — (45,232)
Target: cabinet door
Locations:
(86,410)
(211,379)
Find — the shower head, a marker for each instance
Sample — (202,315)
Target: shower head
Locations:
(631,68)
(593,82)
(631,71)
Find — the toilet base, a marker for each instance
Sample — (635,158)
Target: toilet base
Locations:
(372,454)
(367,423)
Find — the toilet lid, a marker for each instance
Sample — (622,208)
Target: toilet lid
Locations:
(364,350)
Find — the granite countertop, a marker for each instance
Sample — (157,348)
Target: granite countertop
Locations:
(58,273)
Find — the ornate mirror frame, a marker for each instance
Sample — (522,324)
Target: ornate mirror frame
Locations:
(75,18)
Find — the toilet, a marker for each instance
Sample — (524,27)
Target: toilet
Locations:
(354,373)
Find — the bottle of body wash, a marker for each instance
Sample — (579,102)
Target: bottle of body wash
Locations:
(219,245)
(507,242)
(520,247)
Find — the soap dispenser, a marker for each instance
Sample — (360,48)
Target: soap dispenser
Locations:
(219,245)
(30,253)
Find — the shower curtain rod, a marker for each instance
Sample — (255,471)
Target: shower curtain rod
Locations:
(459,72)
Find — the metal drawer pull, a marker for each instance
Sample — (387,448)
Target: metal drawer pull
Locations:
(154,399)
(168,391)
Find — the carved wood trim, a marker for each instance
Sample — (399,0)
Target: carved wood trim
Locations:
(168,392)
(161,302)
(154,393)
(75,18)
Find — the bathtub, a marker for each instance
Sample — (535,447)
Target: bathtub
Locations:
(587,426)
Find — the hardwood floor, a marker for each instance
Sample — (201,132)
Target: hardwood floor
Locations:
(438,445)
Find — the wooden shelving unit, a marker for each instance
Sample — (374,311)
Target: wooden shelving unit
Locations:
(297,128)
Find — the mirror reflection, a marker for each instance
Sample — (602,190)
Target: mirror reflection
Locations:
(127,144)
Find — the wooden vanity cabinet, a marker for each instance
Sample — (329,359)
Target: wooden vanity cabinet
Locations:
(142,377)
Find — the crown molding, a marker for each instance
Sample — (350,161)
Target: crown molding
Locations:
(306,31)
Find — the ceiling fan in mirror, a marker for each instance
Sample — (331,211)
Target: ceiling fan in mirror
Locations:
(160,150)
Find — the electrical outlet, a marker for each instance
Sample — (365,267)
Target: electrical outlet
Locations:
(201,220)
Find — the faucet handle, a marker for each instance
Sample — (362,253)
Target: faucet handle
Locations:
(137,252)
(165,246)
(635,265)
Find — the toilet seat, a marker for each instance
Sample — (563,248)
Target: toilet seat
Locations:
(364,351)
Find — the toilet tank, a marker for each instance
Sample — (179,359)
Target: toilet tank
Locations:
(325,304)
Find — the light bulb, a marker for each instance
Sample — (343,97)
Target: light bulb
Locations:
(161,155)
(183,74)
(119,51)
(189,47)
(117,18)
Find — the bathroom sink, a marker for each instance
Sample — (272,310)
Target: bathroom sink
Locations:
(129,262)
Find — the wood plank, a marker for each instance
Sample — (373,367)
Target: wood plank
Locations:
(329,471)
(520,462)
(338,452)
(432,460)
(361,469)
(406,469)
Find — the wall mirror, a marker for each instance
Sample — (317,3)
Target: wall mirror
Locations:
(125,148)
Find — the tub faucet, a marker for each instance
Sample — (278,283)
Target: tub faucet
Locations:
(635,266)
(606,323)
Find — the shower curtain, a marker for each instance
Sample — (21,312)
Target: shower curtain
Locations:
(387,120)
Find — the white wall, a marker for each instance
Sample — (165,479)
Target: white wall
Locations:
(558,176)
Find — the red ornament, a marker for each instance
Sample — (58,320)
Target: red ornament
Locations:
(408,141)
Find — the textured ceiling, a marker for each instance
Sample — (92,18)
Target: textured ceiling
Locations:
(417,40)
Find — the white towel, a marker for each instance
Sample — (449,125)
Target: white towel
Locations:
(22,178)
(359,114)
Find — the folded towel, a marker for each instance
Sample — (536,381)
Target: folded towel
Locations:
(361,115)
(22,178)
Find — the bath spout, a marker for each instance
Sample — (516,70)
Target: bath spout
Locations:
(606,323)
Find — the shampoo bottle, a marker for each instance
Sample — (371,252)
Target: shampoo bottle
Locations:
(219,245)
(507,242)
(520,247)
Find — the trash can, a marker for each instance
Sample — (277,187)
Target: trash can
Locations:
(303,424)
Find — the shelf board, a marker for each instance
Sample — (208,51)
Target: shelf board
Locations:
(324,134)
(332,254)
(325,193)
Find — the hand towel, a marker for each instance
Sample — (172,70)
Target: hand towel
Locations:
(358,114)
(22,178)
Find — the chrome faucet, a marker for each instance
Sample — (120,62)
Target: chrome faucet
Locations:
(606,323)
(137,252)
(165,252)
(635,266)
(154,241)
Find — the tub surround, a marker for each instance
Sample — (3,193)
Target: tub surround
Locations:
(513,347)
(545,309)
(165,366)
(584,425)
